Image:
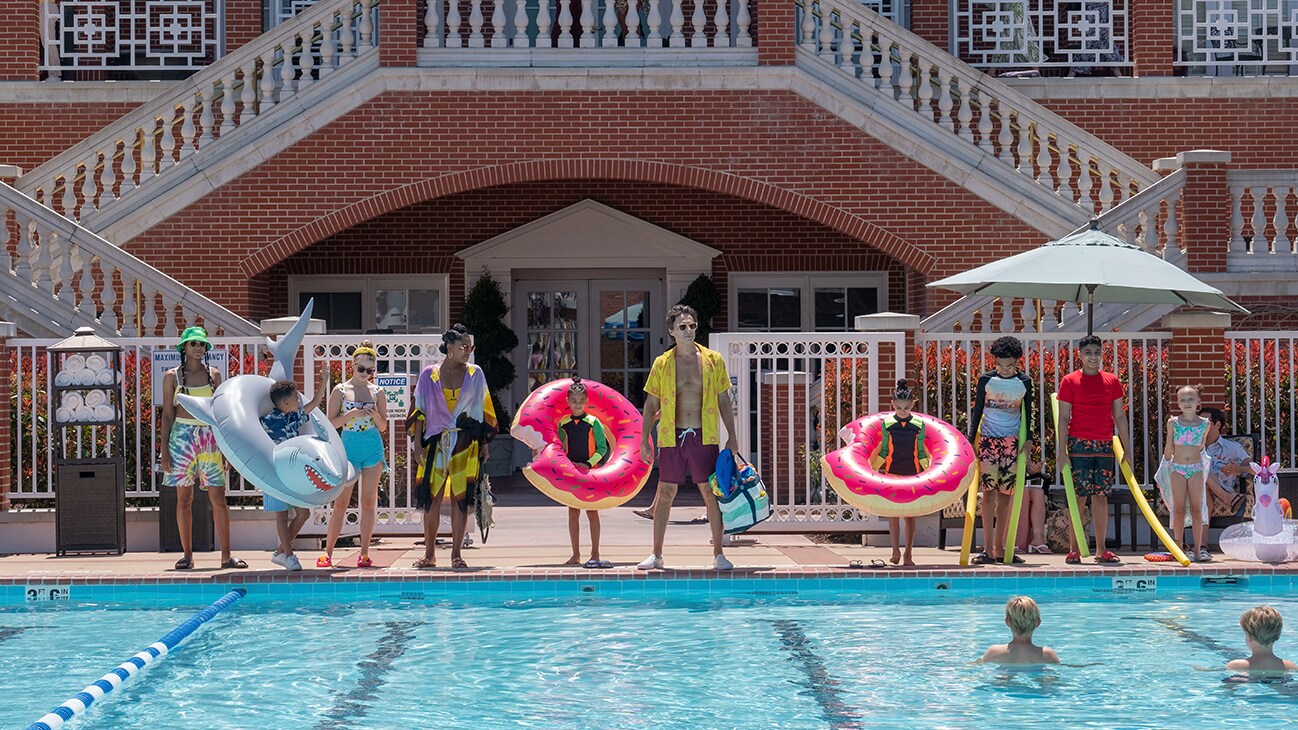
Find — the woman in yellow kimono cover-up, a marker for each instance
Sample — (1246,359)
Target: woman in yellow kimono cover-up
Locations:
(453,418)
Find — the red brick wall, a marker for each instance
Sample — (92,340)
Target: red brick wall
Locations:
(931,20)
(1258,132)
(399,27)
(777,43)
(20,40)
(1195,358)
(424,238)
(1205,217)
(244,21)
(33,133)
(744,145)
(1153,33)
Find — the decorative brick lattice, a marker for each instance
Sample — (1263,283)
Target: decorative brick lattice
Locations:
(1043,33)
(130,35)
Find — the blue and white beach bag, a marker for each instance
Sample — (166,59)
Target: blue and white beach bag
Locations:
(740,493)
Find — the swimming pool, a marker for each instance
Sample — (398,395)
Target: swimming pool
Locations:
(646,654)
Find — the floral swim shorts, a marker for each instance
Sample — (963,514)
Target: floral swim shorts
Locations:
(1093,466)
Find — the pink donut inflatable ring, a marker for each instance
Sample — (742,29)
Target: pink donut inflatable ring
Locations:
(952,469)
(609,485)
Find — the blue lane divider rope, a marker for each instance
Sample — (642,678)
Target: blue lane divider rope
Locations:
(133,666)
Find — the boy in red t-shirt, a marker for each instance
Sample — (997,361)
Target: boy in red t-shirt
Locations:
(1090,408)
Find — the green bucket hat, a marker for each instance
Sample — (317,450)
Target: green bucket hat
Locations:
(193,334)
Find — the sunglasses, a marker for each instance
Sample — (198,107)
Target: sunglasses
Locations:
(363,369)
(687,326)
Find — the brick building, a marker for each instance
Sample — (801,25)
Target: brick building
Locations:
(817,160)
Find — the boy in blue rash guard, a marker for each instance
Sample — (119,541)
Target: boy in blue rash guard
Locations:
(1002,400)
(585,442)
(282,424)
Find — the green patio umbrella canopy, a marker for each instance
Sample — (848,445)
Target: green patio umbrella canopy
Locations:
(1089,266)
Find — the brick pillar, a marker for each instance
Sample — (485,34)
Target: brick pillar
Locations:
(20,40)
(1197,353)
(1204,232)
(786,427)
(772,31)
(399,32)
(1153,38)
(931,20)
(7,330)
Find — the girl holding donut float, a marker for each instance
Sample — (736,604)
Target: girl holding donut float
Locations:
(901,464)
(585,437)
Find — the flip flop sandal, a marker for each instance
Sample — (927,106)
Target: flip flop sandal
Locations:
(234,564)
(1107,557)
(983,559)
(424,563)
(458,564)
(1017,560)
(591,564)
(324,561)
(184,564)
(874,563)
(363,561)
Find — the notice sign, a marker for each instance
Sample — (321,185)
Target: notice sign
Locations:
(164,360)
(397,390)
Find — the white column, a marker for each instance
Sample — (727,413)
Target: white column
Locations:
(699,19)
(677,21)
(498,37)
(432,24)
(565,23)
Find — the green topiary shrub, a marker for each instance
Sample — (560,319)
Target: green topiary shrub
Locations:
(484,314)
(704,297)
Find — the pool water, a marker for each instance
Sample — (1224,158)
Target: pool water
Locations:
(831,660)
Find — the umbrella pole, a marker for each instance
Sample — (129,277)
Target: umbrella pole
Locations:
(1090,309)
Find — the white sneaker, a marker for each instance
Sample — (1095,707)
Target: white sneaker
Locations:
(721,562)
(653,562)
(291,563)
(278,559)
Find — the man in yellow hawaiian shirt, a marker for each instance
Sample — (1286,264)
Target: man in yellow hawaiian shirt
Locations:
(688,390)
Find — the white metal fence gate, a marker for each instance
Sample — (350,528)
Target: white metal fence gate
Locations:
(792,393)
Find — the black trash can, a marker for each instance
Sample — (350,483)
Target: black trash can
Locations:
(169,533)
(90,508)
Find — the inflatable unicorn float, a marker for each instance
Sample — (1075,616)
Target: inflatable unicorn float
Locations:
(308,470)
(1269,538)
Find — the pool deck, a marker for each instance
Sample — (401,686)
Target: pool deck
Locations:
(531,543)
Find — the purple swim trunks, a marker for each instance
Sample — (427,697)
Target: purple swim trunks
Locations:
(689,461)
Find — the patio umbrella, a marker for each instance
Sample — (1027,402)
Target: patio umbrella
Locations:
(1089,266)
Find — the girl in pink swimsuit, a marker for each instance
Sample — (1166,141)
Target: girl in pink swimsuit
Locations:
(1184,452)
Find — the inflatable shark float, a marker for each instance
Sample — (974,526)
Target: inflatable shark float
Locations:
(1269,538)
(308,470)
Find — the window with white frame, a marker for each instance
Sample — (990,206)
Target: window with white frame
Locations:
(353,305)
(804,302)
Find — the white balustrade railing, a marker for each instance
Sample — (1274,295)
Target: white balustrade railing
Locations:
(561,24)
(1248,37)
(949,364)
(1079,35)
(981,110)
(793,392)
(190,119)
(1260,390)
(1148,219)
(60,276)
(1263,220)
(130,35)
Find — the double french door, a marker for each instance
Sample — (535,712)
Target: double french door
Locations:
(603,329)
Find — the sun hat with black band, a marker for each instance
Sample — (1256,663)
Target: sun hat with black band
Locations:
(193,334)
